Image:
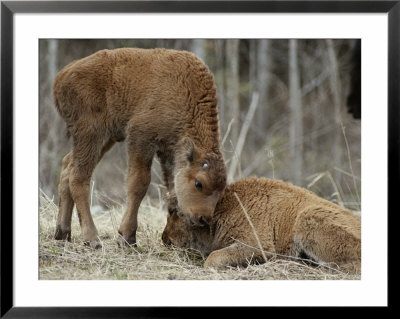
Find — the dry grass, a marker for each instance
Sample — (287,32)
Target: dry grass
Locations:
(151,259)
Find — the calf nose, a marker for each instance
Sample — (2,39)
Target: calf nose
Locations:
(202,221)
(165,239)
(198,220)
(180,214)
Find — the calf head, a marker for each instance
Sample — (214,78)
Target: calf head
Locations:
(200,180)
(180,232)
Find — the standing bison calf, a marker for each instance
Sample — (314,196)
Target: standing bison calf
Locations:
(162,102)
(287,220)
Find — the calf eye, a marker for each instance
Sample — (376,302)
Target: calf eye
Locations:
(198,185)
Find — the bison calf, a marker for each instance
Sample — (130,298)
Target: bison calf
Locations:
(281,219)
(162,102)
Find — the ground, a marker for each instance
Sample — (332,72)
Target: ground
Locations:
(62,260)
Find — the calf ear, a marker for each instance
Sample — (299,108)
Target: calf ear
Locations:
(185,150)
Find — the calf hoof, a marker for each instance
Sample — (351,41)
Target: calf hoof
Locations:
(129,240)
(62,234)
(91,238)
(95,244)
(215,260)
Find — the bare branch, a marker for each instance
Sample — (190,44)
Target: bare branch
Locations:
(227,132)
(242,135)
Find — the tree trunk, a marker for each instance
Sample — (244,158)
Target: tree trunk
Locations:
(296,115)
(198,47)
(335,86)
(232,86)
(220,82)
(263,79)
(252,67)
(53,61)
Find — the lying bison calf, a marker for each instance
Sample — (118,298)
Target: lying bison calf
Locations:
(277,216)
(162,102)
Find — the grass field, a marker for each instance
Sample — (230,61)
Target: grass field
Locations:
(62,260)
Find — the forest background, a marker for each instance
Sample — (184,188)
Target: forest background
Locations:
(282,107)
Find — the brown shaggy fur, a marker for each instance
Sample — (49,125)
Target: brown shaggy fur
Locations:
(162,102)
(287,220)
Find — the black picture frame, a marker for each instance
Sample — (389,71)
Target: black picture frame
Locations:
(9,8)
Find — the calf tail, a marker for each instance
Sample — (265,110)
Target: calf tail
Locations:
(57,105)
(67,133)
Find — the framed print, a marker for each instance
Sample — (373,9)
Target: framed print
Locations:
(141,140)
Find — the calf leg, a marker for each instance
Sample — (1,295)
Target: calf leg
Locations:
(329,237)
(167,167)
(166,161)
(235,255)
(80,188)
(87,151)
(139,176)
(66,204)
